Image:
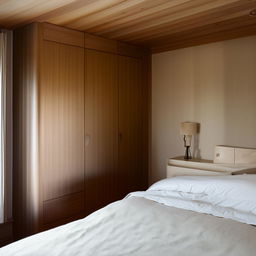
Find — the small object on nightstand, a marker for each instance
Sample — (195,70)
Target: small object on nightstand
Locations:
(187,129)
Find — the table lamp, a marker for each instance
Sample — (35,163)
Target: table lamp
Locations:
(188,129)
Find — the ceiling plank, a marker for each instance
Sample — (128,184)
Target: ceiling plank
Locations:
(118,15)
(147,14)
(71,13)
(159,24)
(13,12)
(104,16)
(227,25)
(177,15)
(210,38)
(189,23)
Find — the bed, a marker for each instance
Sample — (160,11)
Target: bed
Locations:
(189,215)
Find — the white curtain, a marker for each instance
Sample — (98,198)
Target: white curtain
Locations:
(3,76)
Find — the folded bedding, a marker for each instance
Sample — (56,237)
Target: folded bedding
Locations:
(167,219)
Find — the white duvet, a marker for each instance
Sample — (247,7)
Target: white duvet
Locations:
(138,226)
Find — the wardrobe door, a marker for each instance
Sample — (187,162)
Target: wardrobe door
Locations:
(61,127)
(130,163)
(101,125)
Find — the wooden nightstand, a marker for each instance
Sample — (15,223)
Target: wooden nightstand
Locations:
(177,166)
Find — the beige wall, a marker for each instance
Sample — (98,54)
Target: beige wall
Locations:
(214,85)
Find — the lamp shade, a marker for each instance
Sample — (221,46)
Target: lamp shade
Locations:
(188,128)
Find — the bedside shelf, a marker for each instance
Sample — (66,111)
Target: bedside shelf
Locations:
(178,166)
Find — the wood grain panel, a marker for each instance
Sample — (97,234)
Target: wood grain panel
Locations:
(66,206)
(101,128)
(61,120)
(25,131)
(59,115)
(174,14)
(6,235)
(99,43)
(62,221)
(131,50)
(131,15)
(204,30)
(14,12)
(130,162)
(207,38)
(63,35)
(139,22)
(77,10)
(123,7)
(185,24)
(146,124)
(113,46)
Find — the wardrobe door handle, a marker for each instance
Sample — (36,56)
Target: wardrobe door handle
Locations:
(87,140)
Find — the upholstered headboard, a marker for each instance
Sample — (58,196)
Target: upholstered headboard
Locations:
(234,155)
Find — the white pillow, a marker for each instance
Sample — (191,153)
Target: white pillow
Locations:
(231,195)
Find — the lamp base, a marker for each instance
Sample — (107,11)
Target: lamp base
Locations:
(187,153)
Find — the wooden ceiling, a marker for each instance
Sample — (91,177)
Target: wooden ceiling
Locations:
(158,24)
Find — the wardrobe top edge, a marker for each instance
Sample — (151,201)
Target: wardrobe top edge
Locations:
(51,32)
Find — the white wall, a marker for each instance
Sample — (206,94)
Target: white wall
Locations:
(212,84)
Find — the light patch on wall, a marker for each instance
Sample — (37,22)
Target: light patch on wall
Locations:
(212,84)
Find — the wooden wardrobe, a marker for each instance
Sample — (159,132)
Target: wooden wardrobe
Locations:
(80,124)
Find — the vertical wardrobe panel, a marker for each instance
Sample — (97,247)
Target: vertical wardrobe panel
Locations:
(61,130)
(101,120)
(25,137)
(130,160)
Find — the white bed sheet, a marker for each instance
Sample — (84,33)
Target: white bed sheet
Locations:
(137,226)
